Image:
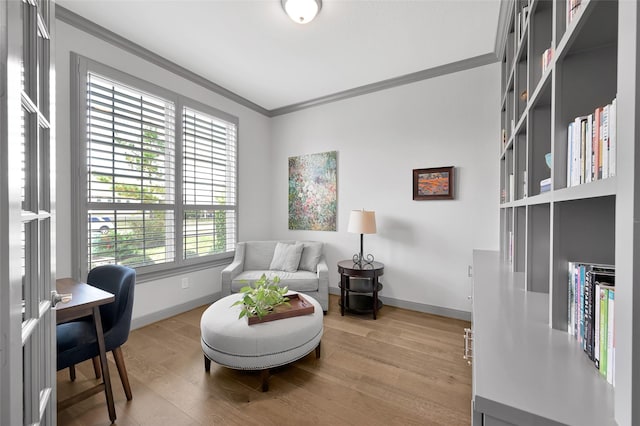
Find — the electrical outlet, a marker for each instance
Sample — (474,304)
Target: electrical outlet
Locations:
(185,283)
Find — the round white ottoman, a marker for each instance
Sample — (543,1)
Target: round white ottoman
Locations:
(234,343)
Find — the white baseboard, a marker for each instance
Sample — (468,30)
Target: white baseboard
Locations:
(183,307)
(419,307)
(173,310)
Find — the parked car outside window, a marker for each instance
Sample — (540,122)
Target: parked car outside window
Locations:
(101,224)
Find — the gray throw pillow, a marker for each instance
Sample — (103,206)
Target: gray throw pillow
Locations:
(286,257)
(311,255)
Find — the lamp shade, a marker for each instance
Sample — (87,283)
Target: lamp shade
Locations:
(362,222)
(302,11)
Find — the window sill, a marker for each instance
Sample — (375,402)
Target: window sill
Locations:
(143,277)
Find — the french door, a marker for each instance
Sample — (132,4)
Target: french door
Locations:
(27,226)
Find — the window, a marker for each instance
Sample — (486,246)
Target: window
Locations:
(209,165)
(160,186)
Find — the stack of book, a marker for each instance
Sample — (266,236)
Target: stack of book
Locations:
(592,145)
(591,313)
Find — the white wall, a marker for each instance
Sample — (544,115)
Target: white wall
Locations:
(254,182)
(381,137)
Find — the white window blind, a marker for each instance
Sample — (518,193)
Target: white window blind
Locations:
(131,145)
(131,169)
(209,184)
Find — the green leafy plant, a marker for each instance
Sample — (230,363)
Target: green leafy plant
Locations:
(260,299)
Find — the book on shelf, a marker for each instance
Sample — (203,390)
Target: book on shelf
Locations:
(613,134)
(596,171)
(545,185)
(611,350)
(588,150)
(570,155)
(547,56)
(591,313)
(572,9)
(605,142)
(604,325)
(592,146)
(583,149)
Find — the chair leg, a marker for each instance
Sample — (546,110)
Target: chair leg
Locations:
(72,373)
(96,366)
(122,370)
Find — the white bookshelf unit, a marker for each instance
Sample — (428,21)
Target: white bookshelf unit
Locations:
(526,368)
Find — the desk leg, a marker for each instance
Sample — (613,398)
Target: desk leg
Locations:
(97,319)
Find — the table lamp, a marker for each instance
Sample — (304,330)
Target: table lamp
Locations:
(362,222)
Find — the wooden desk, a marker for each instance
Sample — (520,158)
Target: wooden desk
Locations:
(86,301)
(360,302)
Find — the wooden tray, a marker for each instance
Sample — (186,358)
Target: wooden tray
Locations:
(299,306)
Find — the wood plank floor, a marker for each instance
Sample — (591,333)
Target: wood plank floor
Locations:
(405,368)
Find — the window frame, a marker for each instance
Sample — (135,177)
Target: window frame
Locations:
(79,187)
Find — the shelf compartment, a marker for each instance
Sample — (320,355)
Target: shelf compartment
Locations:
(507,235)
(520,239)
(541,22)
(510,121)
(542,93)
(586,80)
(521,83)
(520,169)
(538,243)
(509,178)
(583,231)
(540,145)
(595,25)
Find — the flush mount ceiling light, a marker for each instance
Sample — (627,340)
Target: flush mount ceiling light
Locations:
(302,11)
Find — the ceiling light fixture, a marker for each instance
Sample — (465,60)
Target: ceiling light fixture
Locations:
(302,11)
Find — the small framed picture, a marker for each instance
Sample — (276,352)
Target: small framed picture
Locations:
(433,184)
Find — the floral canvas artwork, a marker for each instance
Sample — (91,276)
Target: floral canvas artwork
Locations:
(313,191)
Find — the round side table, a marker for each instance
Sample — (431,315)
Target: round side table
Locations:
(360,295)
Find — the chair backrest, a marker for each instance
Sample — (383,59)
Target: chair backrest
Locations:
(116,317)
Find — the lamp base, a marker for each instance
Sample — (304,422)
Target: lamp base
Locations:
(361,260)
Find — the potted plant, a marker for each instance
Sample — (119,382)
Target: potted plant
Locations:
(260,299)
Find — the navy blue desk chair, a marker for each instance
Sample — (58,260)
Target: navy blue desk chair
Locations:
(77,340)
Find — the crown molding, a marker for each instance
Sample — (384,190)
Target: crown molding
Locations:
(85,25)
(465,64)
